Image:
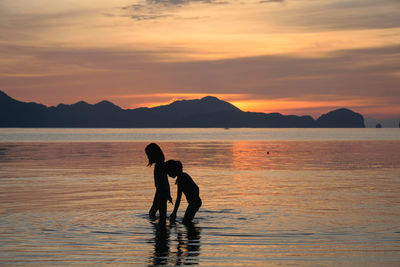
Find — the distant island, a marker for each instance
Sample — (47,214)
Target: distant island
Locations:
(206,112)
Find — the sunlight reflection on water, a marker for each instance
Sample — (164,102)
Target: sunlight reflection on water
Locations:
(304,203)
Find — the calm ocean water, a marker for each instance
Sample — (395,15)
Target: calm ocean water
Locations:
(321,197)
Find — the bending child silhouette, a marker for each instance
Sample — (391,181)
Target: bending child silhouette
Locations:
(186,185)
(162,195)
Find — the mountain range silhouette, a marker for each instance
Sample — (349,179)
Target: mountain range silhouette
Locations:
(206,112)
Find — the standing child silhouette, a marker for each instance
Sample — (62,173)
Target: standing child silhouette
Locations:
(162,195)
(186,185)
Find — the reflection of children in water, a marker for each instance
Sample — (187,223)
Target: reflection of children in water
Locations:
(187,248)
(161,244)
(188,251)
(188,187)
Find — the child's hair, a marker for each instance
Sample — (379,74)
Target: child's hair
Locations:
(174,166)
(154,154)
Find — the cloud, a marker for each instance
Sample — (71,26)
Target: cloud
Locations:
(147,17)
(180,2)
(271,1)
(342,15)
(156,9)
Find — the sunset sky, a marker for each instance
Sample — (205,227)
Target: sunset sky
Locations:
(289,56)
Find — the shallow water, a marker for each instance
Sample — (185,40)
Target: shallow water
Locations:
(194,134)
(320,203)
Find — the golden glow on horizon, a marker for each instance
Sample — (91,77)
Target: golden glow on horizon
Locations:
(286,104)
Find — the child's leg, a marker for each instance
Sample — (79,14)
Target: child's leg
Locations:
(162,209)
(154,207)
(191,211)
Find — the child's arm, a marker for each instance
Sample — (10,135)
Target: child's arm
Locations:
(177,202)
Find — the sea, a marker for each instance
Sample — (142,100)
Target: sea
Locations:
(271,197)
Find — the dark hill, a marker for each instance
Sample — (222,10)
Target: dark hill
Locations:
(14,113)
(232,119)
(171,115)
(341,118)
(206,112)
(189,107)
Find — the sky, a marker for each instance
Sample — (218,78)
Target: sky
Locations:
(289,56)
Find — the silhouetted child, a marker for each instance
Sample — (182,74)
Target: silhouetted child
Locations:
(188,187)
(162,195)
